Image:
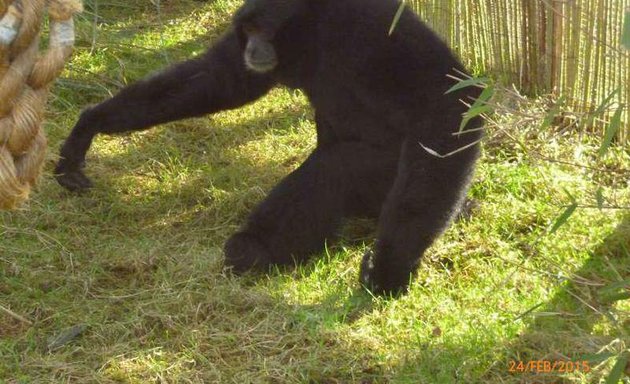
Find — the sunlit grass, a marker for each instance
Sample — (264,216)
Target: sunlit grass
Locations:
(138,259)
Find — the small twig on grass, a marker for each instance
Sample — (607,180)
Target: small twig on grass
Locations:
(611,207)
(584,302)
(15,315)
(601,170)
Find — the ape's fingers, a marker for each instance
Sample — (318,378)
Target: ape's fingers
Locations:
(72,180)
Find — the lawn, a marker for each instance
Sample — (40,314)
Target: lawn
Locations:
(124,283)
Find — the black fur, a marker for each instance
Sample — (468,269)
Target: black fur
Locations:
(376,98)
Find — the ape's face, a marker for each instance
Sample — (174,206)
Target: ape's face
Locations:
(259,55)
(257,23)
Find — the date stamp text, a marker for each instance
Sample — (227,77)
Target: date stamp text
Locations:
(548,366)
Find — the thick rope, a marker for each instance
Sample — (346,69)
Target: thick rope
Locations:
(25,75)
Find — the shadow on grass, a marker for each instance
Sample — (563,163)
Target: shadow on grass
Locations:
(580,325)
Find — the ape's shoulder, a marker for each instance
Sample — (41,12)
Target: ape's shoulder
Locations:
(362,26)
(371,17)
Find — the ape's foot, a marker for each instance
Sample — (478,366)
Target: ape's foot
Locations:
(379,280)
(243,252)
(71,177)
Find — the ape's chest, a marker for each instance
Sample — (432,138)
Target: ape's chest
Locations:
(342,116)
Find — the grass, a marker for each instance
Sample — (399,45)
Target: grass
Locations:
(135,264)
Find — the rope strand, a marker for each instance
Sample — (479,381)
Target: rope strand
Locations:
(25,76)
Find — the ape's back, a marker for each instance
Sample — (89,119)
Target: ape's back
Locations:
(362,76)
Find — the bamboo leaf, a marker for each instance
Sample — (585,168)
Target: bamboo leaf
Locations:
(532,309)
(562,219)
(623,284)
(433,152)
(617,370)
(597,358)
(611,131)
(473,112)
(468,83)
(553,112)
(616,291)
(599,197)
(486,95)
(569,195)
(606,101)
(619,296)
(399,12)
(602,107)
(478,107)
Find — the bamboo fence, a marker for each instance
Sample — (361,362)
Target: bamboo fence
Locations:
(563,47)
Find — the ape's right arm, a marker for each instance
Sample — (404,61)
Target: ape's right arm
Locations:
(216,81)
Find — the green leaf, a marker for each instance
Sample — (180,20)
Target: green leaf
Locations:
(478,107)
(472,112)
(601,108)
(468,83)
(599,197)
(553,112)
(597,358)
(562,219)
(608,299)
(625,35)
(569,195)
(611,131)
(615,373)
(486,95)
(399,12)
(532,309)
(616,291)
(617,285)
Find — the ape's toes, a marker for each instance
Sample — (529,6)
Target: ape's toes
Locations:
(243,252)
(73,179)
(378,280)
(367,269)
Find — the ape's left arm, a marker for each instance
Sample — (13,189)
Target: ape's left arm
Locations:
(216,81)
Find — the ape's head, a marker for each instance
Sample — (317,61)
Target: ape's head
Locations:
(257,23)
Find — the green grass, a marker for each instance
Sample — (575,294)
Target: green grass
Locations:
(137,260)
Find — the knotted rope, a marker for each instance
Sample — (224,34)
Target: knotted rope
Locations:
(25,75)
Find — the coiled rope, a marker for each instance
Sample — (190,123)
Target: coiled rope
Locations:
(25,75)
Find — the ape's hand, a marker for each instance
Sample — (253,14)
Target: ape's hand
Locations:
(70,176)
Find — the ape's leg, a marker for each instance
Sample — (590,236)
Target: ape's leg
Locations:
(426,193)
(216,81)
(306,208)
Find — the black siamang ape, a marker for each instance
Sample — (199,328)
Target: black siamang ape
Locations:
(377,98)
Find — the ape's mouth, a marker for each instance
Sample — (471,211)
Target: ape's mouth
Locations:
(260,66)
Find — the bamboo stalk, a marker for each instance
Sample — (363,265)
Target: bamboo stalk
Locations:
(565,47)
(14,315)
